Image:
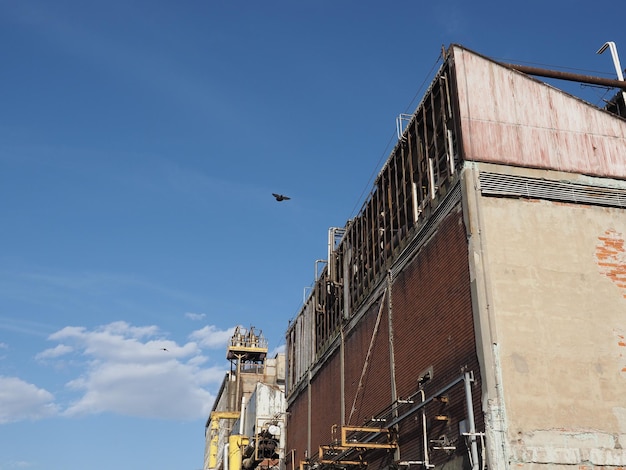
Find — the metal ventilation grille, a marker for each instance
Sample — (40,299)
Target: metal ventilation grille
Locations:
(496,184)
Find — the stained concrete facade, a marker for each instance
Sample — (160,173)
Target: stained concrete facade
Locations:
(549,280)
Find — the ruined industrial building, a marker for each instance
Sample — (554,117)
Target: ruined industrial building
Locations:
(473,314)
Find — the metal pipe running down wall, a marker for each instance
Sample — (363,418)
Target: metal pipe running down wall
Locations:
(468,379)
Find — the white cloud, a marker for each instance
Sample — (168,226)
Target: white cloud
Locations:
(120,342)
(58,351)
(20,400)
(169,390)
(137,371)
(17,464)
(195,316)
(211,337)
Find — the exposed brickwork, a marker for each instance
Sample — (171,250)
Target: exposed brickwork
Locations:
(432,327)
(372,373)
(325,402)
(611,259)
(296,432)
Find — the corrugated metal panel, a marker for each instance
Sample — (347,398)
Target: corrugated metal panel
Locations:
(300,346)
(496,184)
(508,117)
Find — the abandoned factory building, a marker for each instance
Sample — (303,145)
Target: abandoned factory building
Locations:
(473,313)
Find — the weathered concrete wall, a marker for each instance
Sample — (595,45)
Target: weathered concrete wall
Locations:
(550,284)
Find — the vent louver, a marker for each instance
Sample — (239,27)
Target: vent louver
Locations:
(497,184)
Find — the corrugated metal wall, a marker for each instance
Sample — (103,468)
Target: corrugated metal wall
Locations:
(301,338)
(511,118)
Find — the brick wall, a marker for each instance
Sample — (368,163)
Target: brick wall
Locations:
(432,328)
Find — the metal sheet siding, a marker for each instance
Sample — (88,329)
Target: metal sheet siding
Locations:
(300,341)
(508,117)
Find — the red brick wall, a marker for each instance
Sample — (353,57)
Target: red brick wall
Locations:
(296,432)
(432,327)
(325,402)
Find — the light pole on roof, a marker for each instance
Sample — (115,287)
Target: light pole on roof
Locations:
(618,67)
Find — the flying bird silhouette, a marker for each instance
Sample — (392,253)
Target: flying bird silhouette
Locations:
(280,197)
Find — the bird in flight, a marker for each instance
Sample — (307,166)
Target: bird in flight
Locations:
(164,349)
(280,197)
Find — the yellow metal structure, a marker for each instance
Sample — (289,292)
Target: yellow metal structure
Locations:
(216,416)
(337,450)
(355,443)
(235,444)
(213,444)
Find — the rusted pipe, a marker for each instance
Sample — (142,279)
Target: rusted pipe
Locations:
(572,77)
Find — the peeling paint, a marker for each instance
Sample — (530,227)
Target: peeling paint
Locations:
(611,258)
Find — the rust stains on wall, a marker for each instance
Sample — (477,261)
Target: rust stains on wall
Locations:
(611,256)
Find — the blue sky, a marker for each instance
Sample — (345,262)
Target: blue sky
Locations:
(140,142)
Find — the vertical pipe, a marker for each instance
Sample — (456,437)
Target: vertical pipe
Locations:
(226,451)
(329,257)
(237,385)
(450,152)
(431,178)
(416,213)
(308,418)
(470,417)
(618,67)
(242,416)
(342,372)
(424,432)
(392,358)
